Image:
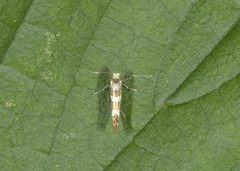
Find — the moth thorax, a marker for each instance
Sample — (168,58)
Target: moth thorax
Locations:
(116,86)
(116,82)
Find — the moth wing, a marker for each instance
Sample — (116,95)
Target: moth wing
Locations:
(127,98)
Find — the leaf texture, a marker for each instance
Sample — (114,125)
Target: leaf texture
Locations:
(184,117)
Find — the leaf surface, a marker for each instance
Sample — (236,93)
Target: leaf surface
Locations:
(185,117)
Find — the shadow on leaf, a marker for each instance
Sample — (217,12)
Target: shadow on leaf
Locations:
(104,101)
(127,98)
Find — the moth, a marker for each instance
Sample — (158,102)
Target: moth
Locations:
(115,93)
(116,89)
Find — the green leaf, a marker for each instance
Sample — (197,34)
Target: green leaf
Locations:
(11,15)
(199,135)
(185,117)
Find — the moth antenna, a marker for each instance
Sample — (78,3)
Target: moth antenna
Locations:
(140,76)
(124,115)
(95,72)
(107,86)
(146,76)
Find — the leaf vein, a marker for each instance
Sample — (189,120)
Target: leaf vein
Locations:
(15,31)
(205,58)
(142,129)
(66,96)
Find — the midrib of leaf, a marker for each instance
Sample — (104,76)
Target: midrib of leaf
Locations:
(196,67)
(173,93)
(152,118)
(217,88)
(16,30)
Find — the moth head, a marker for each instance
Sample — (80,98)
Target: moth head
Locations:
(116,76)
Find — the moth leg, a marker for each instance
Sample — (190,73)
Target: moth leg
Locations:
(107,86)
(129,88)
(124,115)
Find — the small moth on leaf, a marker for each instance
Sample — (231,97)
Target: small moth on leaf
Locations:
(115,90)
(115,86)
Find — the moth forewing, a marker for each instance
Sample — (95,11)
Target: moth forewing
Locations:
(116,95)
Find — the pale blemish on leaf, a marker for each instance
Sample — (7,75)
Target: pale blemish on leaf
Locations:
(50,39)
(10,103)
(65,136)
(73,135)
(48,75)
